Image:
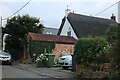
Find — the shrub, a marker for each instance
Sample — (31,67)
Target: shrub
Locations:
(113,33)
(41,61)
(114,75)
(40,64)
(90,51)
(26,61)
(113,36)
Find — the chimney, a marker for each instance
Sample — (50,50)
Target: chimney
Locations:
(113,17)
(67,11)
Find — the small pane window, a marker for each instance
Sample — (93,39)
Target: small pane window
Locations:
(69,33)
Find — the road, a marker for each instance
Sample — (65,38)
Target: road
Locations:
(13,72)
(16,72)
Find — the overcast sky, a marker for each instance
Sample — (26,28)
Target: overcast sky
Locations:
(51,12)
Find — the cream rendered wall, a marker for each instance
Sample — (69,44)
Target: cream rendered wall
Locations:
(66,28)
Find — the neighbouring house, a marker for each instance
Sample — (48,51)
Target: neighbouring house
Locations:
(78,25)
(48,30)
(63,44)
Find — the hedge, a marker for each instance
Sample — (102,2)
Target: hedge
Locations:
(90,51)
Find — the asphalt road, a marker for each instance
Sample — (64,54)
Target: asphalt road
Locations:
(13,72)
(17,72)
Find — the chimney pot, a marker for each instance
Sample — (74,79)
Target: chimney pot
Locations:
(67,11)
(113,17)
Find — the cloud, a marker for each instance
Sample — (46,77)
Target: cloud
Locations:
(87,7)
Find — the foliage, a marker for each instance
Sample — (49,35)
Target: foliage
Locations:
(40,64)
(115,51)
(113,36)
(41,57)
(26,61)
(39,47)
(113,33)
(18,28)
(40,61)
(114,75)
(79,75)
(90,51)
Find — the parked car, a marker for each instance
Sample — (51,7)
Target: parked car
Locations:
(65,61)
(5,57)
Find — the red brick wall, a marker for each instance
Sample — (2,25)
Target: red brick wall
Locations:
(62,49)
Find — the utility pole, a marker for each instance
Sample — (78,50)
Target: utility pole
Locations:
(119,12)
(0,44)
(0,33)
(0,21)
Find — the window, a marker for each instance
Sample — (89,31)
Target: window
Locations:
(69,33)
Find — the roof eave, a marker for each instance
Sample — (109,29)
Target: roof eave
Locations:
(61,26)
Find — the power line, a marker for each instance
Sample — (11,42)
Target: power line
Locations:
(17,10)
(106,9)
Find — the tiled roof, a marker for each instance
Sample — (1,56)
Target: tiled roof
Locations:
(52,38)
(48,30)
(86,25)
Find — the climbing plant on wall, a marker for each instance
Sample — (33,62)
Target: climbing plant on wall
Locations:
(38,47)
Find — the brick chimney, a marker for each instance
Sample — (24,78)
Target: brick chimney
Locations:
(113,17)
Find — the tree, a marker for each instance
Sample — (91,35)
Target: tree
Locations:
(113,33)
(113,36)
(18,28)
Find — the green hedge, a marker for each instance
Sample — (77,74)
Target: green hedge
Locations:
(113,36)
(38,47)
(90,51)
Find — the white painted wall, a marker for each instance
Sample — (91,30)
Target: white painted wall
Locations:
(66,29)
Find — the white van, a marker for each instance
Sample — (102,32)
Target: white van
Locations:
(65,61)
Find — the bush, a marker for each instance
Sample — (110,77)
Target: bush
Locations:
(26,61)
(41,61)
(113,33)
(90,52)
(113,36)
(114,75)
(40,64)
